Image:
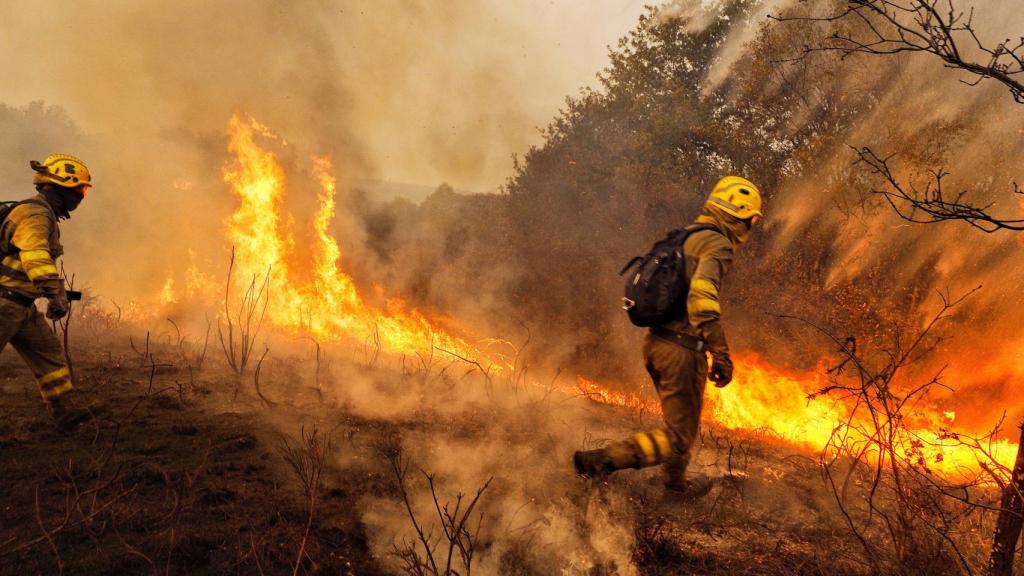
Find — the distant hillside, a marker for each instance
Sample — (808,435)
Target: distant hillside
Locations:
(384,191)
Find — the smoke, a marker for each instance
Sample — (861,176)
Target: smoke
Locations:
(830,251)
(413,91)
(692,15)
(413,88)
(929,120)
(696,15)
(402,91)
(465,430)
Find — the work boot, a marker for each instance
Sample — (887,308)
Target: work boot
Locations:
(674,469)
(66,417)
(593,463)
(687,490)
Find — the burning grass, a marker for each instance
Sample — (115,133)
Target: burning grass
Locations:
(183,476)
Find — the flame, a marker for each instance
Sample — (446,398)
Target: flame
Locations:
(329,305)
(766,397)
(785,405)
(197,282)
(167,292)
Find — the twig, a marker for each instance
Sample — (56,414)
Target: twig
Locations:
(307,459)
(48,535)
(256,380)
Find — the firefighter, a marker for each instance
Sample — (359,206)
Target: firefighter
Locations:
(29,247)
(675,352)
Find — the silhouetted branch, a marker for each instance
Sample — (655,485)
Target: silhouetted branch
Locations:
(239,337)
(939,28)
(1008,525)
(256,380)
(936,27)
(308,459)
(455,518)
(932,203)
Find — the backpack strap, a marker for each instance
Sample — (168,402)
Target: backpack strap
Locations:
(37,201)
(698,227)
(685,231)
(7,206)
(630,264)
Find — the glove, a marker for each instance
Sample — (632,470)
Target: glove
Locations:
(58,306)
(721,370)
(721,364)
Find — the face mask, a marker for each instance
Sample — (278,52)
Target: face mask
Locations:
(62,201)
(72,199)
(737,230)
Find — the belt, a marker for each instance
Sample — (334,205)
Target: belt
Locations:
(685,340)
(18,299)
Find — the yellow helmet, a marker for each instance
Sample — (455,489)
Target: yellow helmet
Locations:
(62,170)
(737,197)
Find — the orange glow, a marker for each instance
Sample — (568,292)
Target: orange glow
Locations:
(329,306)
(766,398)
(167,292)
(606,395)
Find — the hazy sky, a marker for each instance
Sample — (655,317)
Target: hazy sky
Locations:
(410,90)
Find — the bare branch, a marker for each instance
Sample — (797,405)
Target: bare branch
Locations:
(884,27)
(877,463)
(938,28)
(931,204)
(308,460)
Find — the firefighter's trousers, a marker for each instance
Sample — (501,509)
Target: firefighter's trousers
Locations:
(25,328)
(679,375)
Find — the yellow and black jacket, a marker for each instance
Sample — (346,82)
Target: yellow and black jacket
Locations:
(30,245)
(708,259)
(709,256)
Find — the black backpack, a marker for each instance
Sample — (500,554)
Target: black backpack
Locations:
(655,293)
(5,209)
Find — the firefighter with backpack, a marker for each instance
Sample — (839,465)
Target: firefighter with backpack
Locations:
(675,291)
(29,247)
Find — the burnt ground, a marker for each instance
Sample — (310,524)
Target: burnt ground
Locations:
(161,482)
(186,472)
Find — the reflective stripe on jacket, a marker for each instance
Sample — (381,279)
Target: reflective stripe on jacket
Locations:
(30,246)
(708,258)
